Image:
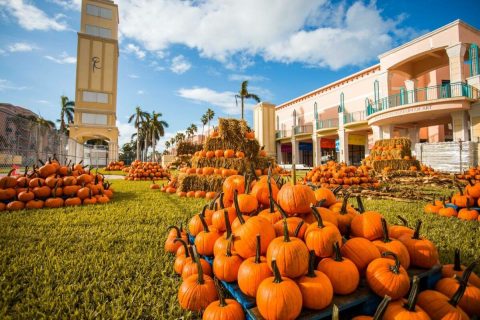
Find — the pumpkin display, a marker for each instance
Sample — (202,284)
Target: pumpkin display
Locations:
(461,199)
(315,286)
(144,171)
(449,270)
(198,290)
(296,199)
(468,214)
(279,297)
(439,306)
(253,271)
(432,207)
(395,246)
(291,254)
(225,267)
(406,309)
(321,236)
(423,253)
(333,174)
(224,309)
(387,277)
(115,166)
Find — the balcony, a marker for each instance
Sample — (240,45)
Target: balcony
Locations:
(327,124)
(443,91)
(306,129)
(354,117)
(282,134)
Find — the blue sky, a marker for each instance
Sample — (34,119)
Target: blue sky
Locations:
(181,57)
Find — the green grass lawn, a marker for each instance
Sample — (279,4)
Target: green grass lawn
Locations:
(107,261)
(116,172)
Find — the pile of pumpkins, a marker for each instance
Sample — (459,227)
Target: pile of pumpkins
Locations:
(208,171)
(333,174)
(465,199)
(292,248)
(115,166)
(53,185)
(143,171)
(472,174)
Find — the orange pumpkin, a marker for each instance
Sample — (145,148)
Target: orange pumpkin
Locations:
(296,199)
(385,277)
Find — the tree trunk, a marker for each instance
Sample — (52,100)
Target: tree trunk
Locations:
(146,147)
(153,148)
(242,106)
(138,144)
(62,121)
(203,132)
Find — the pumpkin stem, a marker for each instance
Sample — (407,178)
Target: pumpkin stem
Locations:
(470,182)
(294,175)
(403,220)
(228,226)
(298,228)
(286,237)
(221,296)
(458,294)
(335,313)
(381,308)
(222,206)
(311,264)
(361,208)
(252,169)
(282,212)
(321,202)
(247,184)
(386,238)
(204,223)
(179,235)
(459,189)
(317,216)
(468,271)
(433,200)
(54,193)
(270,192)
(277,277)
(200,279)
(338,255)
(456,261)
(336,190)
(237,208)
(184,244)
(229,246)
(258,249)
(203,210)
(396,267)
(343,210)
(412,297)
(416,234)
(214,200)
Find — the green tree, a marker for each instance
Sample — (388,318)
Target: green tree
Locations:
(209,114)
(66,111)
(137,118)
(157,130)
(243,94)
(204,120)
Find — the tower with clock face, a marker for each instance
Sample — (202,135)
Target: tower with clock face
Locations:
(96,81)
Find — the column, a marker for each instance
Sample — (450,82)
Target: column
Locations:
(387,131)
(367,150)
(343,139)
(410,86)
(413,135)
(460,125)
(295,151)
(317,150)
(456,55)
(377,133)
(279,153)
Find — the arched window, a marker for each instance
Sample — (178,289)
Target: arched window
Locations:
(341,107)
(315,111)
(474,64)
(376,91)
(294,115)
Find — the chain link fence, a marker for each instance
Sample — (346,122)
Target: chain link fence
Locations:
(25,140)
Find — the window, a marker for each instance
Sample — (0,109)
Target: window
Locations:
(98,31)
(89,96)
(99,12)
(91,118)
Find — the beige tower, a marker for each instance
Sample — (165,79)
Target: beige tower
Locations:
(96,82)
(264,126)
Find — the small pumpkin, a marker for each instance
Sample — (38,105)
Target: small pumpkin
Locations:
(423,253)
(367,224)
(406,309)
(385,278)
(225,267)
(321,236)
(395,246)
(449,270)
(439,306)
(224,309)
(205,239)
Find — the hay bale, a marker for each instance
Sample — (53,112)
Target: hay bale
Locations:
(187,147)
(194,182)
(395,164)
(241,165)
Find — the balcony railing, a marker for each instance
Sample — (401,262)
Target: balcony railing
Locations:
(327,123)
(280,134)
(303,129)
(354,117)
(443,91)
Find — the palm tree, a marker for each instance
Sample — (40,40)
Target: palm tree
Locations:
(66,110)
(204,121)
(192,129)
(179,137)
(138,117)
(243,94)
(167,145)
(146,128)
(157,130)
(209,114)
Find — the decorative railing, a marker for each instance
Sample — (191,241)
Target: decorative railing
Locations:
(354,117)
(303,129)
(443,91)
(327,123)
(280,134)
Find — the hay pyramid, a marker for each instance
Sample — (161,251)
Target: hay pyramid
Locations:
(393,153)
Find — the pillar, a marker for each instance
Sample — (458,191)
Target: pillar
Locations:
(279,153)
(377,133)
(456,55)
(317,150)
(386,131)
(112,151)
(264,126)
(295,151)
(410,86)
(343,140)
(460,125)
(413,136)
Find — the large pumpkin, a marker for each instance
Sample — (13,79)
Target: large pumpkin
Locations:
(321,236)
(296,199)
(449,270)
(367,224)
(223,309)
(387,277)
(205,240)
(439,306)
(225,267)
(395,246)
(232,183)
(423,252)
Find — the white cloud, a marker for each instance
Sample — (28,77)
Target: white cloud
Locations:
(224,100)
(134,49)
(140,92)
(42,101)
(180,65)
(243,77)
(7,85)
(133,76)
(21,47)
(126,130)
(69,4)
(63,58)
(313,32)
(30,17)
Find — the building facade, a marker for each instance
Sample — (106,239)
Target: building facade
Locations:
(426,89)
(96,79)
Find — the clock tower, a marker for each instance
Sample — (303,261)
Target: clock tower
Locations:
(96,80)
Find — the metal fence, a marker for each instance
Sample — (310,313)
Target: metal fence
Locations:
(24,141)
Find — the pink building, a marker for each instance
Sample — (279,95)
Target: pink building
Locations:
(426,89)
